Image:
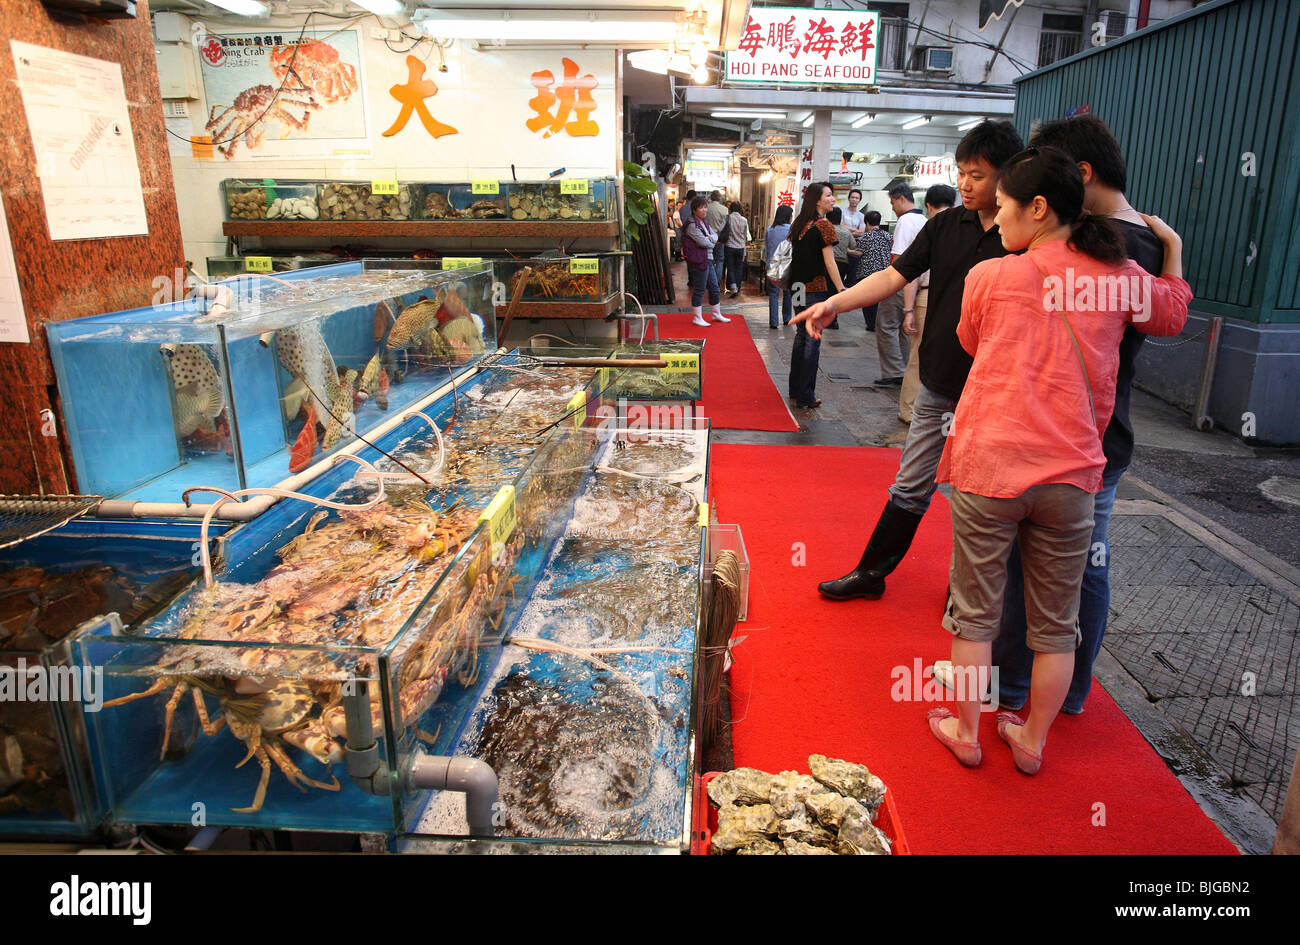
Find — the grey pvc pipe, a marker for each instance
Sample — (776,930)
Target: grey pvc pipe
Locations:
(1201,418)
(474,778)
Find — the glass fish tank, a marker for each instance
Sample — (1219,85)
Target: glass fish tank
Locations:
(267,199)
(368,201)
(343,624)
(484,200)
(51,587)
(682,379)
(587,713)
(264,376)
(590,278)
(564,199)
(220,267)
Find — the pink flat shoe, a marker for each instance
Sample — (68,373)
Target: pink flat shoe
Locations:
(968,753)
(1027,762)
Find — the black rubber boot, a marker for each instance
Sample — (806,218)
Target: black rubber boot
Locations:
(889,543)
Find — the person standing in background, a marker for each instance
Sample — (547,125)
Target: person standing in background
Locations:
(674,251)
(684,212)
(737,240)
(873,246)
(717,220)
(846,251)
(891,344)
(812,273)
(698,242)
(854,218)
(778,231)
(937,199)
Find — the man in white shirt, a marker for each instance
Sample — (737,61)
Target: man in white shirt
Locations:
(891,343)
(854,218)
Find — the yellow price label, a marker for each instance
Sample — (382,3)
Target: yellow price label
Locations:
(584,266)
(574,187)
(383,187)
(578,408)
(492,187)
(681,363)
(500,516)
(460,262)
(604,379)
(257,264)
(704,515)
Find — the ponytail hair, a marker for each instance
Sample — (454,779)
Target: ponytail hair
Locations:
(1099,238)
(1052,174)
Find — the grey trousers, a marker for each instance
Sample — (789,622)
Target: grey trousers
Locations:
(1054,523)
(932,416)
(891,344)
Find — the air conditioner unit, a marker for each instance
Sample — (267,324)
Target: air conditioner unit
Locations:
(1115,23)
(938,59)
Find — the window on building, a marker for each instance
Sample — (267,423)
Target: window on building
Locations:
(1062,36)
(893,35)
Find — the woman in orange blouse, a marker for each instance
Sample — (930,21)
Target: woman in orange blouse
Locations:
(1024,454)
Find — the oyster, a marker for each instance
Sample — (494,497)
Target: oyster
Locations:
(851,780)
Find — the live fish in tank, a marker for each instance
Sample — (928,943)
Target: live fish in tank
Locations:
(200,399)
(415,320)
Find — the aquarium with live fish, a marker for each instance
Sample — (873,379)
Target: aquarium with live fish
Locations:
(51,586)
(587,713)
(260,377)
(340,620)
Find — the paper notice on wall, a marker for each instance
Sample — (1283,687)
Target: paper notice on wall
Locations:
(85,152)
(13,318)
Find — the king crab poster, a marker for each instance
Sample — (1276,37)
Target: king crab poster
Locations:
(275,93)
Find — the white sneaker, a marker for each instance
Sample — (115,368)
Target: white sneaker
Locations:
(719,317)
(699,320)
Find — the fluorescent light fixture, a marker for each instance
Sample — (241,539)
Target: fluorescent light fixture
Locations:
(916,123)
(658,61)
(747,113)
(969,125)
(381,7)
(597,27)
(807,122)
(243,7)
(864,120)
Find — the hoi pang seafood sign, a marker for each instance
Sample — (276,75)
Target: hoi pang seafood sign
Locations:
(797,46)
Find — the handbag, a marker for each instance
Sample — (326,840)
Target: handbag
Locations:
(779,264)
(1087,384)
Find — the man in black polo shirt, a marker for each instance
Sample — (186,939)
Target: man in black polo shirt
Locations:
(948,245)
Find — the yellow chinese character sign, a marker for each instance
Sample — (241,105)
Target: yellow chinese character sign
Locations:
(573,97)
(412,96)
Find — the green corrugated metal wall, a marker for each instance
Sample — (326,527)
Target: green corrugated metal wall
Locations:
(1187,99)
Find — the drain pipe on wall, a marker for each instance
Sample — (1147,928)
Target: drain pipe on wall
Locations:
(469,776)
(1201,418)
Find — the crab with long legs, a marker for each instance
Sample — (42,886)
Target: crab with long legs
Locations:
(318,69)
(264,722)
(248,116)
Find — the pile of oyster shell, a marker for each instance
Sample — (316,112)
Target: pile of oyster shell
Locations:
(247,204)
(831,812)
(547,203)
(357,202)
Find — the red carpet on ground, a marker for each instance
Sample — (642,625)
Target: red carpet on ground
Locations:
(738,394)
(817,676)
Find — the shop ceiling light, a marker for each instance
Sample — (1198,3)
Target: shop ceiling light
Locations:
(864,120)
(969,125)
(916,123)
(511,25)
(700,75)
(747,113)
(658,61)
(807,122)
(243,7)
(382,7)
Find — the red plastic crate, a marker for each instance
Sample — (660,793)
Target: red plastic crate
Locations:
(706,820)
